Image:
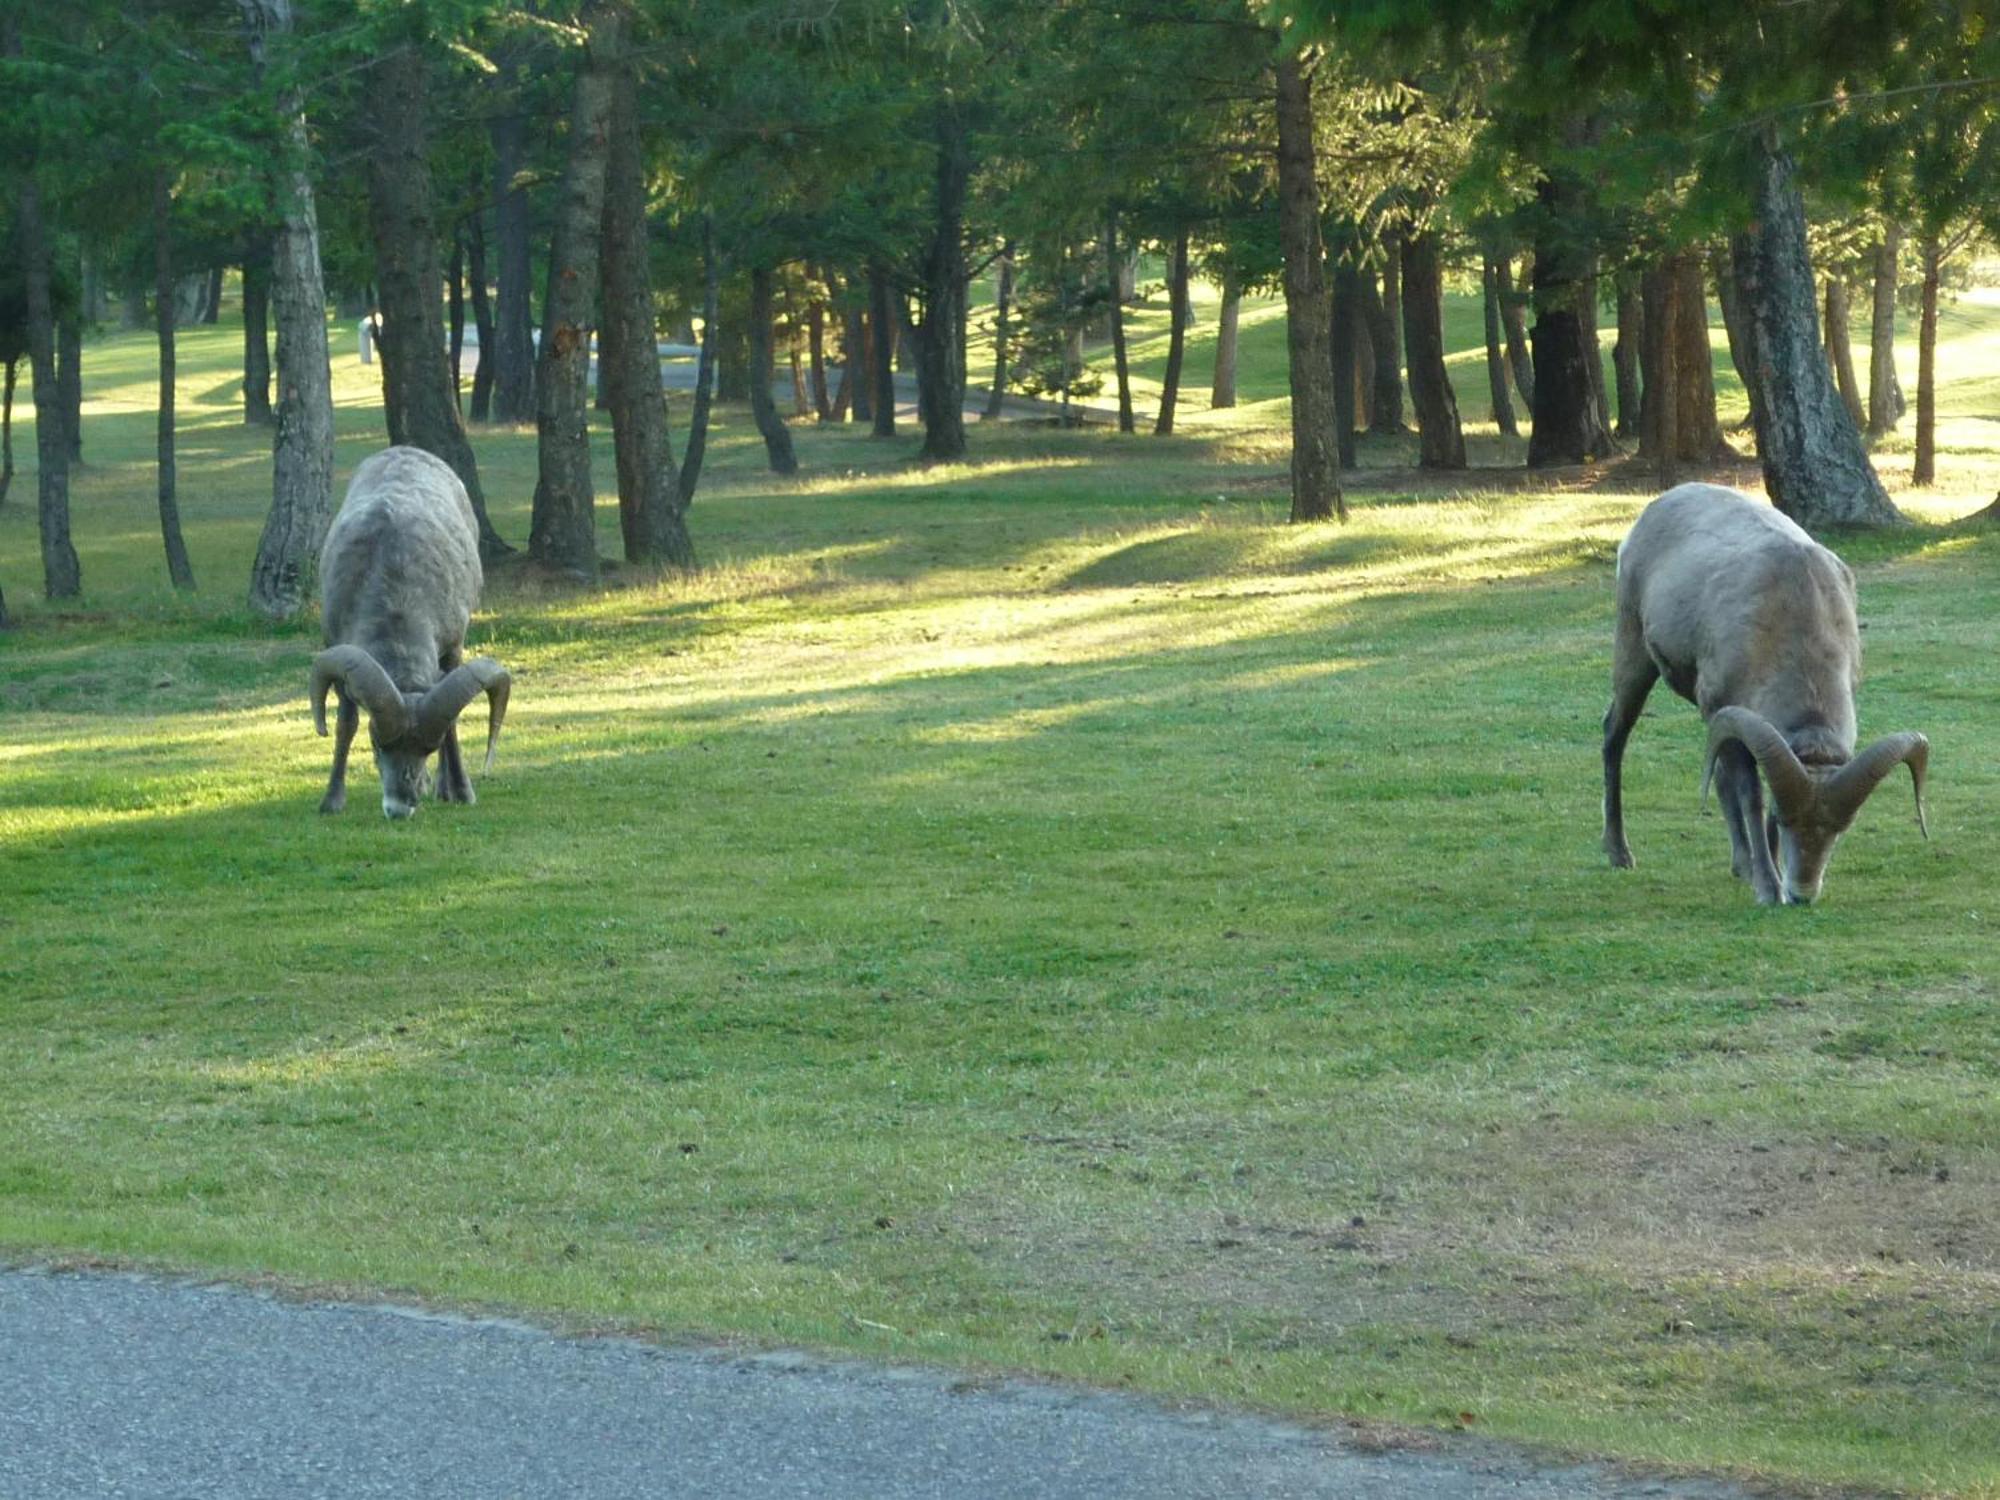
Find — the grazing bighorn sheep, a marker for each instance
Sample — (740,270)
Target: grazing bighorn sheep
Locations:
(399,575)
(1752,621)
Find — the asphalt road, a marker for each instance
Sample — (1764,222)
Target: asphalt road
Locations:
(127,1386)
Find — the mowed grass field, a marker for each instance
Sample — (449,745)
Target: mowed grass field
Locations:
(1041,914)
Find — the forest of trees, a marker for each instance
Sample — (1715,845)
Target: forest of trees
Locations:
(821,183)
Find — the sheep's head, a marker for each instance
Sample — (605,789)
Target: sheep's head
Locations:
(1812,805)
(407,728)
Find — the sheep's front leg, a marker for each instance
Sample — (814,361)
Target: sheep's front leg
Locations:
(1742,797)
(453,785)
(346,719)
(1632,677)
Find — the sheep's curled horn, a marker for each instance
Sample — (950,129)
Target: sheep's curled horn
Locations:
(393,715)
(1837,792)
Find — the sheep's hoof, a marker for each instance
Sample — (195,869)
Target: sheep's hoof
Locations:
(1621,857)
(333,802)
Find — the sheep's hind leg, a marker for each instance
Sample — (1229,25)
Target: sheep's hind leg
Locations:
(346,719)
(453,785)
(1632,677)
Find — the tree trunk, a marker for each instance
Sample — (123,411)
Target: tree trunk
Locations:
(1925,469)
(256,335)
(1222,393)
(1177,318)
(513,348)
(857,374)
(1363,287)
(1586,312)
(1568,426)
(1440,439)
(1519,360)
(777,436)
(1393,354)
(882,352)
(211,307)
(1341,350)
(1885,395)
(482,314)
(941,354)
(1840,349)
(822,403)
(1663,373)
(1496,358)
(179,570)
(1385,404)
(651,516)
(1315,462)
(1696,426)
(1626,359)
(69,382)
(996,396)
(302,463)
(563,531)
(454,305)
(419,386)
(62,574)
(704,372)
(7,430)
(1815,467)
(1723,268)
(1114,308)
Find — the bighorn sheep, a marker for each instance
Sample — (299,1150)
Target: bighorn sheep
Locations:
(399,575)
(1752,621)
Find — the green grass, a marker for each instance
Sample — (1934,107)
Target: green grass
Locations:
(1038,914)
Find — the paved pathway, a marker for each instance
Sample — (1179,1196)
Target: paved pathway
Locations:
(128,1386)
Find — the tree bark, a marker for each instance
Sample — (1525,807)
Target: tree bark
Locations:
(704,373)
(513,348)
(69,382)
(179,570)
(882,352)
(1114,310)
(1519,359)
(996,397)
(1840,349)
(651,515)
(62,574)
(419,388)
(1737,327)
(941,339)
(1568,425)
(1177,319)
(482,314)
(1315,461)
(1925,469)
(1663,375)
(454,306)
(1363,287)
(1385,405)
(777,436)
(211,307)
(822,401)
(858,353)
(1586,313)
(563,531)
(1222,392)
(1885,392)
(1496,358)
(1697,428)
(1341,351)
(1626,359)
(1815,467)
(1394,353)
(1440,438)
(7,430)
(281,578)
(256,335)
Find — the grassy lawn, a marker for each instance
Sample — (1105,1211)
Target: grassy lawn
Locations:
(1041,914)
